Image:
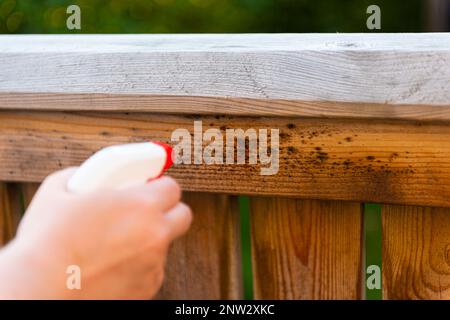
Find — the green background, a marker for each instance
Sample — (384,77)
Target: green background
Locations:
(193,16)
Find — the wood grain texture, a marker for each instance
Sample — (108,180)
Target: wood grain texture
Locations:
(220,105)
(416,252)
(28,191)
(10,211)
(306,249)
(206,263)
(347,75)
(370,161)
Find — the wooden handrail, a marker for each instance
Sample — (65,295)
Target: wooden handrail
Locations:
(395,76)
(275,79)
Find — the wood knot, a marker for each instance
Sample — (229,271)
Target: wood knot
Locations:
(447,254)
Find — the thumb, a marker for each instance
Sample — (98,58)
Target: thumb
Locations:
(57,181)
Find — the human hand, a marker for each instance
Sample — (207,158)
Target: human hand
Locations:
(118,239)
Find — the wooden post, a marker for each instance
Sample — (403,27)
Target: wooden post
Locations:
(28,191)
(206,263)
(306,249)
(416,252)
(10,211)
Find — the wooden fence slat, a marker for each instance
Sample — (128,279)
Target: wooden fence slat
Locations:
(10,210)
(28,191)
(416,252)
(370,161)
(6,225)
(306,249)
(206,263)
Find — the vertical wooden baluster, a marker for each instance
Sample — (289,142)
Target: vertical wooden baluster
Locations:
(28,192)
(416,252)
(206,263)
(306,249)
(10,211)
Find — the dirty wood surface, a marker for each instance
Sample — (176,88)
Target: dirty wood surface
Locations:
(376,161)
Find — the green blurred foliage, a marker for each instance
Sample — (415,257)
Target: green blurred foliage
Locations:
(199,16)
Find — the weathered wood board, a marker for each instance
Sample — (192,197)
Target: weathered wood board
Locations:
(403,76)
(416,252)
(306,249)
(206,262)
(366,161)
(10,211)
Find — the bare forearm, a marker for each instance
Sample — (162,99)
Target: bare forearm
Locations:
(24,276)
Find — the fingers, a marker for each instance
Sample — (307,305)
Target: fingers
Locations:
(178,220)
(165,192)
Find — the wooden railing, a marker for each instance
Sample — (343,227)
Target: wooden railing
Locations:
(361,118)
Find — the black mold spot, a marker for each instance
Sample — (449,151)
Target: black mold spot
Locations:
(322,156)
(347,163)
